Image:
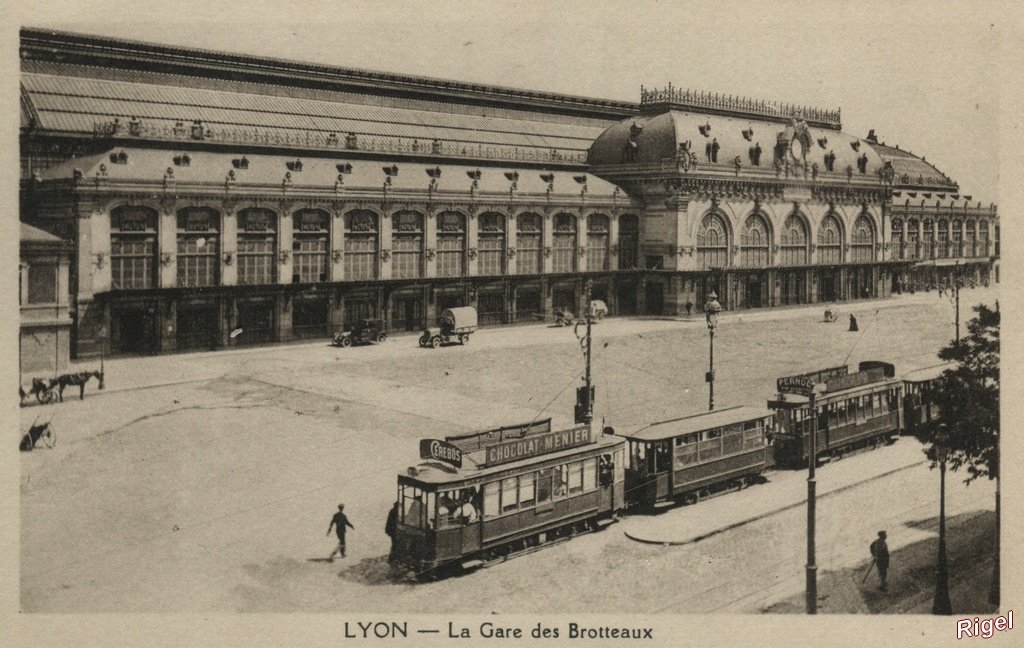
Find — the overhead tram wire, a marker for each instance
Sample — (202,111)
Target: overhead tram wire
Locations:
(860,337)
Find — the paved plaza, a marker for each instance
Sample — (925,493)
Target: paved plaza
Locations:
(205,482)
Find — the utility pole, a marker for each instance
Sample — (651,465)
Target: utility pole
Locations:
(956,289)
(812,459)
(585,394)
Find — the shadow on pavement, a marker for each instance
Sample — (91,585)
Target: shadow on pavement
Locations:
(970,546)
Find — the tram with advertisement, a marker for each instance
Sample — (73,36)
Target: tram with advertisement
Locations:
(919,406)
(480,497)
(852,411)
(693,457)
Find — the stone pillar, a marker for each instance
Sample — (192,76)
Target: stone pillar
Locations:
(472,244)
(86,256)
(99,237)
(510,244)
(430,243)
(547,241)
(336,248)
(548,298)
(167,234)
(385,245)
(581,243)
(613,254)
(229,246)
(285,258)
(283,316)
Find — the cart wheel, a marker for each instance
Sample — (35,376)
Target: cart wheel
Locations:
(346,342)
(381,337)
(50,438)
(435,341)
(463,338)
(46,396)
(424,341)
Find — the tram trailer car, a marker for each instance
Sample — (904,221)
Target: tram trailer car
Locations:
(480,497)
(919,407)
(689,458)
(853,410)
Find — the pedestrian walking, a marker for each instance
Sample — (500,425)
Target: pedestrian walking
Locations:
(880,555)
(391,528)
(339,522)
(853,323)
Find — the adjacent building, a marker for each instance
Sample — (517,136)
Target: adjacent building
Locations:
(202,192)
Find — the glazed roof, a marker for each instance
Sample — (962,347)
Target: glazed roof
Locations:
(663,133)
(89,106)
(912,171)
(147,165)
(36,235)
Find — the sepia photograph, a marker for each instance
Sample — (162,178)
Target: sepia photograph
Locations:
(572,322)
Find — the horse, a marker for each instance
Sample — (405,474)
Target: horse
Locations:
(79,378)
(36,432)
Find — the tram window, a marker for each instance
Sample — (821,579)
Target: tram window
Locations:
(732,441)
(429,512)
(413,507)
(714,434)
(560,477)
(575,478)
(544,486)
(448,505)
(619,470)
(492,500)
(841,413)
(589,475)
(509,498)
(663,457)
(526,491)
(877,403)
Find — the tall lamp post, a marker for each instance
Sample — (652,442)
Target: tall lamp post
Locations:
(941,604)
(711,309)
(103,343)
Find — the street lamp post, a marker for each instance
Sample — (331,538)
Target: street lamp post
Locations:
(941,604)
(812,460)
(711,309)
(103,343)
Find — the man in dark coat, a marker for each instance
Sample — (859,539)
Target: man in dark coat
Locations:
(339,522)
(391,528)
(853,323)
(880,554)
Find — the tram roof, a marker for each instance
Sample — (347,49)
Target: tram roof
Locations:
(434,472)
(928,373)
(698,422)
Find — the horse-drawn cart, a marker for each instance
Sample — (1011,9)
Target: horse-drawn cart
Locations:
(454,325)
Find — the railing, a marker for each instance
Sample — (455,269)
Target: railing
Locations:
(305,139)
(694,99)
(912,250)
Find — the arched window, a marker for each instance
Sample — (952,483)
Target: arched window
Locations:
(133,246)
(913,239)
(361,241)
(198,241)
(942,241)
(257,247)
(755,242)
(956,237)
(970,238)
(713,242)
(407,245)
(927,238)
(794,240)
(983,246)
(529,244)
(862,246)
(564,244)
(896,237)
(491,244)
(597,242)
(830,240)
(629,242)
(451,244)
(310,240)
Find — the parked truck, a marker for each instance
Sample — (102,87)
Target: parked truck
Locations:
(454,325)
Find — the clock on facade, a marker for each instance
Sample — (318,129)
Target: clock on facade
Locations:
(796,149)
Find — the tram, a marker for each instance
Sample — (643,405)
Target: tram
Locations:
(852,410)
(689,458)
(482,496)
(919,408)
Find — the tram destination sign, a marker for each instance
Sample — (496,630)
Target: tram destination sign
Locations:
(441,451)
(803,385)
(536,444)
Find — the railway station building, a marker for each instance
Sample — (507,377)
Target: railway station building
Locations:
(202,192)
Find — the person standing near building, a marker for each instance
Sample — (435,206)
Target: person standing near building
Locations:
(391,528)
(339,522)
(880,554)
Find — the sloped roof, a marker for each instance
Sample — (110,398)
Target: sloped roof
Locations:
(147,165)
(698,422)
(912,170)
(31,234)
(88,106)
(663,133)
